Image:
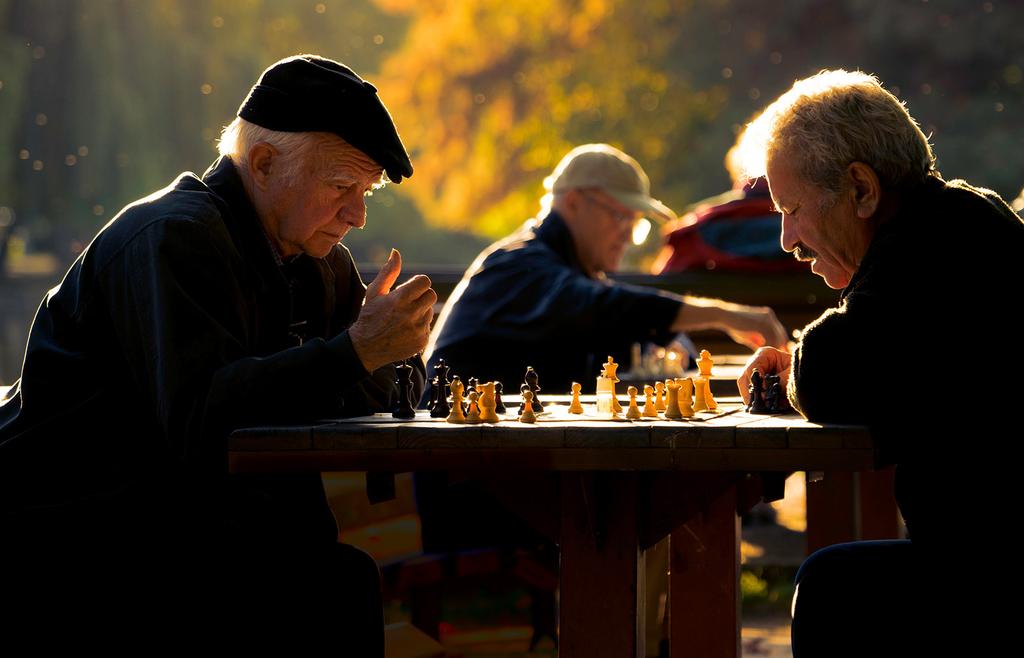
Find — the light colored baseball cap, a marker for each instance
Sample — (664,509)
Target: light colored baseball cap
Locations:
(607,168)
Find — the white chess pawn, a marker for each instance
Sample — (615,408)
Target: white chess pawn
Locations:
(633,413)
(575,407)
(650,411)
(528,415)
(473,415)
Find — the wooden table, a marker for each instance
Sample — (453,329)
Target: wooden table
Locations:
(611,490)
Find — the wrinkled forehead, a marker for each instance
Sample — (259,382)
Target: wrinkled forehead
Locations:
(334,158)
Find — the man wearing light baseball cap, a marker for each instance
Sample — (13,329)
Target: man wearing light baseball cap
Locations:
(540,297)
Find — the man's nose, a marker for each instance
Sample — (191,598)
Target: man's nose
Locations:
(788,238)
(353,213)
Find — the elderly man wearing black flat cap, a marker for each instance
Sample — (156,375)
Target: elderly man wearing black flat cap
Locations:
(221,301)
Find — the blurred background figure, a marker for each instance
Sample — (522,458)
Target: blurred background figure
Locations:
(735,231)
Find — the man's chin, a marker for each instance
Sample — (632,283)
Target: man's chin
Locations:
(833,278)
(319,250)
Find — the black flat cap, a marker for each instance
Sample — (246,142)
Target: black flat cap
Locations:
(307,93)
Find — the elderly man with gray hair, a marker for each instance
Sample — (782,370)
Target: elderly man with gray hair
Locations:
(922,263)
(222,301)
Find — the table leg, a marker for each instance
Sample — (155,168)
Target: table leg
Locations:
(843,507)
(601,567)
(704,593)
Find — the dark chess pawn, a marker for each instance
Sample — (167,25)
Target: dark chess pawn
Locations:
(531,379)
(404,408)
(499,406)
(757,403)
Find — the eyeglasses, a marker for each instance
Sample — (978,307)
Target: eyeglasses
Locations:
(640,226)
(624,217)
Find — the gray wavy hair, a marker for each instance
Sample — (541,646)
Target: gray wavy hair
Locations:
(826,121)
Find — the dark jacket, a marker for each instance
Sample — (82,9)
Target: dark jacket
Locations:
(924,347)
(526,301)
(175,326)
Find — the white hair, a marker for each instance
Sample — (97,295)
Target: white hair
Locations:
(829,120)
(240,136)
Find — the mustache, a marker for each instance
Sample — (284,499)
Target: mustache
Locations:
(803,253)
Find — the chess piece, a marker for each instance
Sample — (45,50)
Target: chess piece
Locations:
(575,407)
(404,408)
(487,403)
(605,394)
(659,403)
(774,396)
(685,396)
(439,401)
(609,373)
(704,363)
(700,386)
(473,415)
(457,414)
(633,413)
(499,406)
(441,371)
(650,411)
(672,406)
(756,404)
(473,383)
(522,394)
(708,398)
(440,391)
(531,379)
(433,395)
(527,415)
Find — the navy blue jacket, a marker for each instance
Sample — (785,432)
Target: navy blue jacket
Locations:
(526,301)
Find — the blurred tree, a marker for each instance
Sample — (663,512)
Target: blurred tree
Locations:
(102,101)
(493,92)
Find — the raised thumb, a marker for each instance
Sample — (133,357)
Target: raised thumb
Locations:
(381,284)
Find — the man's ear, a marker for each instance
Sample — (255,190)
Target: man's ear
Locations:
(262,157)
(866,189)
(573,202)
